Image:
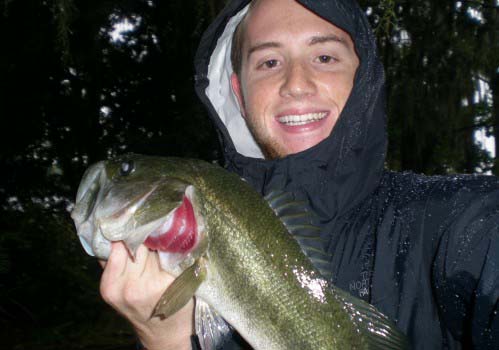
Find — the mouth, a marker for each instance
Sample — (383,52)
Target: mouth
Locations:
(301,119)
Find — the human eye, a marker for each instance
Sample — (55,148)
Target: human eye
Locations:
(325,59)
(269,64)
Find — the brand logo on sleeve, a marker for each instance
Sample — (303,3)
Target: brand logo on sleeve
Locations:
(361,286)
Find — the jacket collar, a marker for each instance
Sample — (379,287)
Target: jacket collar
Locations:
(338,173)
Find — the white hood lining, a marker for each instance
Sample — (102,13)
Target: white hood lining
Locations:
(221,96)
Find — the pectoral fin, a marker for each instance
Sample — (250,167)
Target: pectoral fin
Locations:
(214,329)
(181,290)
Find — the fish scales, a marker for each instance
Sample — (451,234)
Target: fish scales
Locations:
(289,311)
(257,277)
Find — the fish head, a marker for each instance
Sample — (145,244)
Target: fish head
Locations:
(139,201)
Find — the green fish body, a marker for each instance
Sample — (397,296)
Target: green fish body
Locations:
(227,247)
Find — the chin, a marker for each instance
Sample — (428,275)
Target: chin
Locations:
(296,148)
(281,151)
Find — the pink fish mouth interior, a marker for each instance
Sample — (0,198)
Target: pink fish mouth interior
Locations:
(180,236)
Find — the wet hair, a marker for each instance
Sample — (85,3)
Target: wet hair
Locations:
(236,53)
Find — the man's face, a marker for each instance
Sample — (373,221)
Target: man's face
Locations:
(297,73)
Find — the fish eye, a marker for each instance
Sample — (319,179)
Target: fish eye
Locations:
(127,167)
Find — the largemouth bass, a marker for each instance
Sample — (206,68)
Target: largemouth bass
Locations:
(226,246)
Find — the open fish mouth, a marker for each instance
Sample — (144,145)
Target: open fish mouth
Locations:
(106,212)
(177,232)
(121,223)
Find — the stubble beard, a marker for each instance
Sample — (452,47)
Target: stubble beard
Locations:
(270,148)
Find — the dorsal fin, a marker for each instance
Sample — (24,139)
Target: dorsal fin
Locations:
(302,222)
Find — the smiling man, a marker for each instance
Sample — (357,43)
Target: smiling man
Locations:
(294,74)
(296,92)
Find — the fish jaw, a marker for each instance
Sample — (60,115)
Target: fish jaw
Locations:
(121,224)
(90,193)
(107,211)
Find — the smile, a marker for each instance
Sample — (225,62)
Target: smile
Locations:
(301,119)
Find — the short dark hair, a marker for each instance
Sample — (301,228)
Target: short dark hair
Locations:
(236,53)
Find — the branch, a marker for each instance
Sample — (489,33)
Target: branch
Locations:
(484,80)
(375,3)
(476,126)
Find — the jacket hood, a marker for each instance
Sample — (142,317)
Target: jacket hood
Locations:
(339,172)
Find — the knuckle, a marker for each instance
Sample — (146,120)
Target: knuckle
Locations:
(132,295)
(109,295)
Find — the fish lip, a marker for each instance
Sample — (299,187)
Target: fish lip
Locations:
(126,211)
(138,235)
(92,181)
(119,225)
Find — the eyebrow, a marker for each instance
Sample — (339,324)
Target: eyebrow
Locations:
(326,38)
(313,41)
(262,46)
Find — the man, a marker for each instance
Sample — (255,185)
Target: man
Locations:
(300,107)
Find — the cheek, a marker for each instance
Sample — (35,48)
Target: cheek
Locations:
(258,96)
(347,89)
(338,88)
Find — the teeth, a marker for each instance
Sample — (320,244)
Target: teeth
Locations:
(301,119)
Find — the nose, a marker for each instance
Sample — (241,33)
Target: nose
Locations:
(298,82)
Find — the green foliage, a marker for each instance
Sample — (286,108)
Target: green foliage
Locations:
(73,95)
(63,11)
(436,55)
(387,19)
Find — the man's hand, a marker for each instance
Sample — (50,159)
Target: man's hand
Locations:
(134,287)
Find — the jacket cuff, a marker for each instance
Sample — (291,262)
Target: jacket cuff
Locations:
(195,345)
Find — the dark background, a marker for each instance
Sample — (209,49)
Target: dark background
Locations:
(71,95)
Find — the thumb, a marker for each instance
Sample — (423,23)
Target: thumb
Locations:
(102,263)
(118,259)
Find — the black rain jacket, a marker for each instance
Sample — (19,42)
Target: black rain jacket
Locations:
(423,250)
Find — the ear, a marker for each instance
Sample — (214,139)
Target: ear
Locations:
(235,83)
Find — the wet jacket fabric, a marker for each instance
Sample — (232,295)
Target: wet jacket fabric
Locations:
(423,250)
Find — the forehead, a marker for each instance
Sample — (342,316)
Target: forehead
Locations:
(281,19)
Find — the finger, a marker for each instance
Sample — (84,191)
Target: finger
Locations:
(102,263)
(142,254)
(118,259)
(145,256)
(153,262)
(112,279)
(137,265)
(155,271)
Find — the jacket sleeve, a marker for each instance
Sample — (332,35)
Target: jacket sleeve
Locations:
(232,342)
(235,342)
(466,267)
